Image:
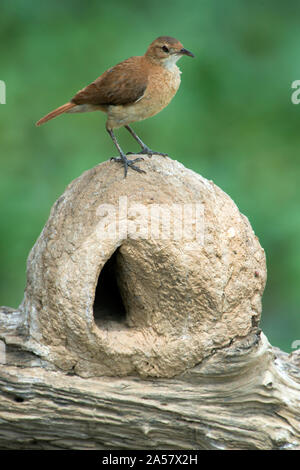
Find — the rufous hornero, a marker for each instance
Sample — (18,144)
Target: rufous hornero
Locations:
(131,91)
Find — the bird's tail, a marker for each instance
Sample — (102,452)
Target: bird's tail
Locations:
(62,109)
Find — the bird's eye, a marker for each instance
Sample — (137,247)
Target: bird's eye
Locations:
(165,49)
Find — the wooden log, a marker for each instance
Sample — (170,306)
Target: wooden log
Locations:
(244,396)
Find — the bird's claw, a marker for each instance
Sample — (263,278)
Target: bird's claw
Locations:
(128,163)
(149,152)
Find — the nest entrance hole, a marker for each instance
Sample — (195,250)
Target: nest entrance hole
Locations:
(108,302)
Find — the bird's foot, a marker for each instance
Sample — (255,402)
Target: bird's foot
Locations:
(128,163)
(149,152)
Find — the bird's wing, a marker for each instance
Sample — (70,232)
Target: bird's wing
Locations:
(123,84)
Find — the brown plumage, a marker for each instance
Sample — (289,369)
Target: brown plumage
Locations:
(123,84)
(132,90)
(62,109)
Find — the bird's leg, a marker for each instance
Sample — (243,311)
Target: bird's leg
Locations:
(145,150)
(127,163)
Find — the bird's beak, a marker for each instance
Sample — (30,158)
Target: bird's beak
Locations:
(186,52)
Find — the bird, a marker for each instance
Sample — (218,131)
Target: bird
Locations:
(133,90)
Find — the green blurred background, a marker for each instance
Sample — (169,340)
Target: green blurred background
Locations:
(232,120)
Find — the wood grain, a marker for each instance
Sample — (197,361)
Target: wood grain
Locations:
(245,396)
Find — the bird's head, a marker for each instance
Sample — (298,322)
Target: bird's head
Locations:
(166,51)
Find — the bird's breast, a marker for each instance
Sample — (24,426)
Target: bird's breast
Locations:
(162,86)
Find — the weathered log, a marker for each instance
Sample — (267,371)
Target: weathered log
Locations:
(143,342)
